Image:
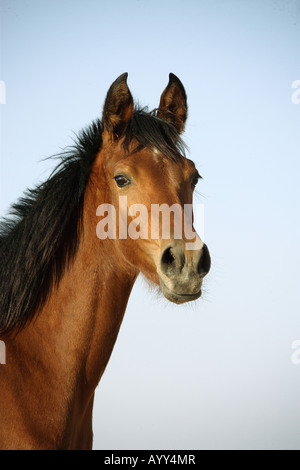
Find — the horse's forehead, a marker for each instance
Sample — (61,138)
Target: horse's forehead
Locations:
(152,161)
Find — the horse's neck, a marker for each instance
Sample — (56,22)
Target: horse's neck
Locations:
(84,315)
(67,347)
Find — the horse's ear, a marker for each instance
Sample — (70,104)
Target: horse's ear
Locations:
(173,103)
(118,107)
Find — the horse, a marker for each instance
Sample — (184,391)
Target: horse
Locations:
(65,288)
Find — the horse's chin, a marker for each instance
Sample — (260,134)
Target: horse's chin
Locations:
(176,297)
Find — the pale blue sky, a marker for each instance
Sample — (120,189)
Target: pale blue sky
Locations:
(217,374)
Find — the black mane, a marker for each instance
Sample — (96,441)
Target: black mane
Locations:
(41,236)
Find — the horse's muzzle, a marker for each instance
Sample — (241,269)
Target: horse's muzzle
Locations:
(181,272)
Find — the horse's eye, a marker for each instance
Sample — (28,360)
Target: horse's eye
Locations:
(195,180)
(121,181)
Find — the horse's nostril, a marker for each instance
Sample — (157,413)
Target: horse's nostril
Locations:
(205,261)
(167,260)
(172,260)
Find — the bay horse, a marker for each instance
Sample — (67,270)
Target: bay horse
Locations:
(63,291)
